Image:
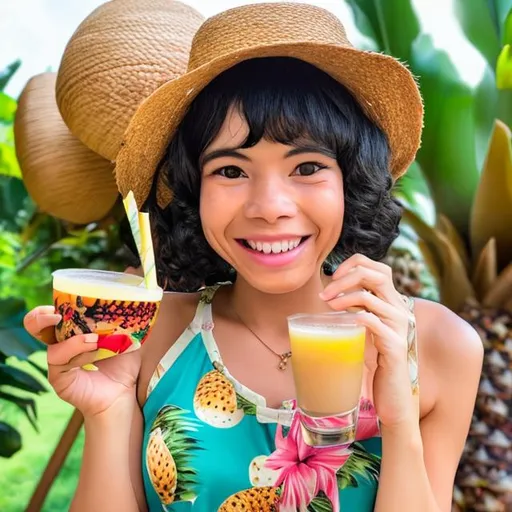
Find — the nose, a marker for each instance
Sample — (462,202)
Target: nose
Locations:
(270,199)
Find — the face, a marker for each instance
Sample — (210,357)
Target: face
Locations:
(274,212)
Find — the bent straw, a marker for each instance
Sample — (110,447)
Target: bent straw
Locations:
(141,230)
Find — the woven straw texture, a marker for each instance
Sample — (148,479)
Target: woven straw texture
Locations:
(118,56)
(385,88)
(63,177)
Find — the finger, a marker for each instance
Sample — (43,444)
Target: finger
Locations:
(359,260)
(74,364)
(366,278)
(370,302)
(62,353)
(386,340)
(39,319)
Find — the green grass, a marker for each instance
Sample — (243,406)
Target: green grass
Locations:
(20,474)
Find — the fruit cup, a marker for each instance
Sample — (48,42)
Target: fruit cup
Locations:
(116,306)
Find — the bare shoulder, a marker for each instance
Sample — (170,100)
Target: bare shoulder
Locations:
(450,354)
(176,312)
(445,337)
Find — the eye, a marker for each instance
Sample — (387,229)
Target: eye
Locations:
(308,169)
(231,172)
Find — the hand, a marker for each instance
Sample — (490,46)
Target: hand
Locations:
(91,392)
(363,283)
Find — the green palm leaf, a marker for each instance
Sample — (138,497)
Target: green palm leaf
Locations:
(320,504)
(361,463)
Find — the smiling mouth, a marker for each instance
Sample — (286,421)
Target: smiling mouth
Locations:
(277,247)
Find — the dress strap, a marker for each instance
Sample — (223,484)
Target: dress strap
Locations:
(202,314)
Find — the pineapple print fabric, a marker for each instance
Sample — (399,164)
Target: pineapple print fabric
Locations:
(210,444)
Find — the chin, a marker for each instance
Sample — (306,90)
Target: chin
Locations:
(278,283)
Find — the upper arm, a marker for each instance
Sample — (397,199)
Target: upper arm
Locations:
(136,435)
(453,351)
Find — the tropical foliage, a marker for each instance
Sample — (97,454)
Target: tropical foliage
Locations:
(32,246)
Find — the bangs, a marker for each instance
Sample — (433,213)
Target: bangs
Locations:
(283,100)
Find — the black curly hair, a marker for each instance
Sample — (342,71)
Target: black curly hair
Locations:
(283,100)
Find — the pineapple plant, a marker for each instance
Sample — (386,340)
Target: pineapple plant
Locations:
(168,453)
(476,283)
(256,499)
(216,401)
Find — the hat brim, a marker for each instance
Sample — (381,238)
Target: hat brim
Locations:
(385,89)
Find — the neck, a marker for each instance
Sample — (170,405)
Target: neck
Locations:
(266,312)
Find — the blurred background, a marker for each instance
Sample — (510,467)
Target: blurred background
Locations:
(455,245)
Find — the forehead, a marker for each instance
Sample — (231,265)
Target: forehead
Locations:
(233,132)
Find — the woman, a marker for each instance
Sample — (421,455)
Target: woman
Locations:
(279,148)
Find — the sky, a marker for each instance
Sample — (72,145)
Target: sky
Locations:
(36,31)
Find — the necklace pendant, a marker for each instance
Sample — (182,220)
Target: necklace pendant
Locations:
(284,360)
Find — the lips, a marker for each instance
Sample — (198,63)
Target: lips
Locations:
(270,252)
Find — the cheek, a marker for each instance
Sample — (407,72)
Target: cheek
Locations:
(216,213)
(330,209)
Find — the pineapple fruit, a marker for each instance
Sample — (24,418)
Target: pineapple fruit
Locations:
(474,273)
(259,499)
(410,274)
(215,401)
(482,296)
(168,453)
(164,474)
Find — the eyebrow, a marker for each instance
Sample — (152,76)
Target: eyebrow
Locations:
(230,152)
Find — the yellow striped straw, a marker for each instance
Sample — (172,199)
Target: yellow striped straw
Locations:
(141,230)
(148,255)
(130,206)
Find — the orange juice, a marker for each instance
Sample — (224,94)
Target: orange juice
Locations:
(327,362)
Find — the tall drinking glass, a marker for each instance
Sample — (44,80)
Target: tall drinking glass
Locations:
(327,362)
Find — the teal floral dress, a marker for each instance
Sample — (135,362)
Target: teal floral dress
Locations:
(211,444)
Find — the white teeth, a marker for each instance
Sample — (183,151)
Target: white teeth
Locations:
(274,247)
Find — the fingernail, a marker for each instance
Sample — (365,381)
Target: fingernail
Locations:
(91,338)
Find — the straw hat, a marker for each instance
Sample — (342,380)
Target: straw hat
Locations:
(384,88)
(63,177)
(121,53)
(117,57)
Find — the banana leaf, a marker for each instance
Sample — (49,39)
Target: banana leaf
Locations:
(480,21)
(491,215)
(448,153)
(393,24)
(413,190)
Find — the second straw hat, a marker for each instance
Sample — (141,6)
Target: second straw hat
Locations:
(63,177)
(121,53)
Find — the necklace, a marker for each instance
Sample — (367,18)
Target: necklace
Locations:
(283,358)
